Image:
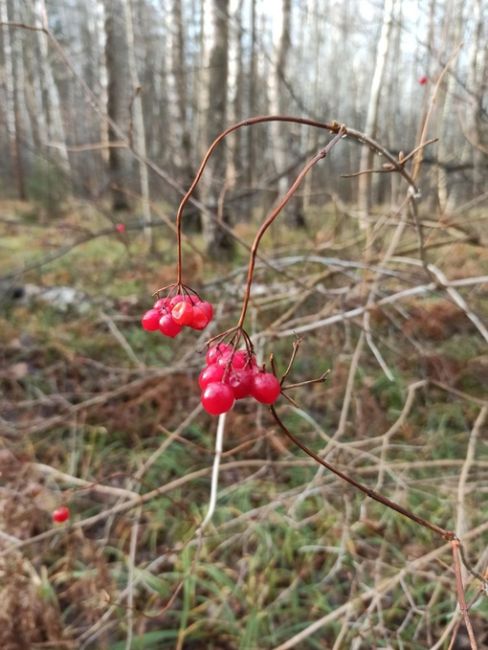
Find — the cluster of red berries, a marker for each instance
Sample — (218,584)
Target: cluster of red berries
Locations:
(170,315)
(234,374)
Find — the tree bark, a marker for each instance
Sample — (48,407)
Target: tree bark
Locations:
(284,138)
(118,99)
(217,239)
(372,117)
(252,109)
(139,132)
(11,104)
(178,86)
(55,127)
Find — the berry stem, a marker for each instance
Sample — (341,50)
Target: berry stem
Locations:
(333,127)
(320,155)
(448,535)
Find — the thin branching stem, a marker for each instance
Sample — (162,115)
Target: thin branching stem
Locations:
(332,127)
(448,535)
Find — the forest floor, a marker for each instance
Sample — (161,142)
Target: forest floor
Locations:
(95,411)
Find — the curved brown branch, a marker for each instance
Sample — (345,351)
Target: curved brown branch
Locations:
(333,127)
(448,535)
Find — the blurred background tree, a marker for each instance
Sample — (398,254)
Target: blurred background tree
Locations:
(172,73)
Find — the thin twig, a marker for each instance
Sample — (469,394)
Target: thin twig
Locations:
(455,544)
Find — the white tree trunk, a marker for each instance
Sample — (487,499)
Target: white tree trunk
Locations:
(234,87)
(453,23)
(281,42)
(102,75)
(215,107)
(138,120)
(55,127)
(10,99)
(372,116)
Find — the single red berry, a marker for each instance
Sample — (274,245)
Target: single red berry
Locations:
(217,398)
(241,383)
(239,359)
(168,326)
(120,227)
(181,298)
(150,320)
(182,313)
(60,515)
(423,80)
(215,352)
(200,319)
(161,303)
(210,374)
(265,387)
(207,309)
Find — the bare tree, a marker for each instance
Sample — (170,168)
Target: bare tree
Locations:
(372,116)
(235,89)
(477,83)
(180,105)
(277,88)
(118,105)
(55,127)
(139,132)
(252,83)
(216,64)
(11,104)
(285,138)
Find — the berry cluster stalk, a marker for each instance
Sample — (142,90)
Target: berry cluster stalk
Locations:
(332,127)
(274,213)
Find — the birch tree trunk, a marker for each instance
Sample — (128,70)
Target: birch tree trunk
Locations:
(101,37)
(234,85)
(284,141)
(118,99)
(477,85)
(178,87)
(277,90)
(252,109)
(55,127)
(453,21)
(372,116)
(139,132)
(217,240)
(11,104)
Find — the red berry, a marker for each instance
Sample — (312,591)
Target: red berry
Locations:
(423,80)
(60,515)
(161,303)
(120,227)
(210,374)
(217,398)
(150,320)
(175,299)
(239,359)
(200,319)
(181,298)
(215,352)
(241,383)
(182,313)
(265,387)
(168,327)
(207,309)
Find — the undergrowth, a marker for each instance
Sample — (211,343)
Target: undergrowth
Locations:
(86,392)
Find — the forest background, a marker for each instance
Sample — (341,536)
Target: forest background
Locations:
(378,263)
